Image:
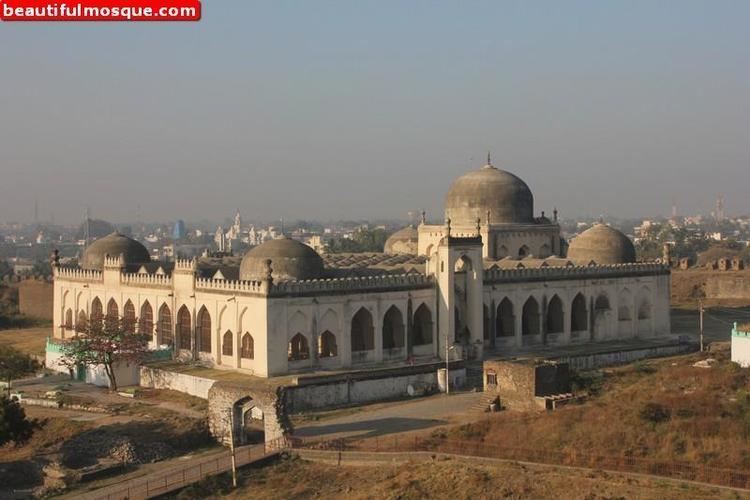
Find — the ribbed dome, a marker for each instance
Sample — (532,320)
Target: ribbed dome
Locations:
(505,196)
(603,245)
(403,241)
(114,245)
(290,260)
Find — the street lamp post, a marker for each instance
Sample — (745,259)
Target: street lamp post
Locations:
(448,349)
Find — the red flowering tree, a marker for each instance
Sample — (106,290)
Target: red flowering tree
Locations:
(106,342)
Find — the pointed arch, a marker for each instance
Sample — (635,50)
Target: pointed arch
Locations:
(68,325)
(505,322)
(128,317)
(463,264)
(578,315)
(422,327)
(502,252)
(327,347)
(247,350)
(113,311)
(146,321)
(184,330)
(203,324)
(82,322)
(393,328)
(644,309)
(164,327)
(299,348)
(555,316)
(544,251)
(530,318)
(602,303)
(97,310)
(523,252)
(227,341)
(623,311)
(362,331)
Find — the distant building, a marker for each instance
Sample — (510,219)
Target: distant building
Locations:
(179,232)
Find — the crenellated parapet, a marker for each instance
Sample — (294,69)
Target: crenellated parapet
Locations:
(77,274)
(232,286)
(356,284)
(497,275)
(150,280)
(185,265)
(114,261)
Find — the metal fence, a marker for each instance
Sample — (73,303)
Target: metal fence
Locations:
(178,477)
(619,463)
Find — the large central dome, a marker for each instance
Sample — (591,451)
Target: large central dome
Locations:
(290,260)
(505,196)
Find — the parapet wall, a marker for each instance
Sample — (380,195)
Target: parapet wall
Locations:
(384,282)
(496,275)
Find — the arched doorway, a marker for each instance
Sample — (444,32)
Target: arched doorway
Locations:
(362,335)
(505,322)
(530,320)
(555,316)
(393,333)
(578,315)
(248,422)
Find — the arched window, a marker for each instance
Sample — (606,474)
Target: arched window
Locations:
(82,322)
(530,320)
(327,347)
(505,323)
(113,312)
(248,347)
(393,329)
(463,264)
(523,252)
(363,334)
(204,330)
(298,348)
(544,251)
(146,322)
(226,343)
(128,317)
(69,319)
(555,321)
(602,303)
(184,333)
(644,310)
(422,328)
(502,252)
(578,319)
(97,311)
(164,328)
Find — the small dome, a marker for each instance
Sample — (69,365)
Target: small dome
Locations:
(505,196)
(290,260)
(602,244)
(403,241)
(114,245)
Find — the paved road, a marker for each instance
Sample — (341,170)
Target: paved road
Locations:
(396,417)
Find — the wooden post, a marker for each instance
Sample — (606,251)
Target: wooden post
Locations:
(231,444)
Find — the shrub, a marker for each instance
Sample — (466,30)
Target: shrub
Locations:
(655,413)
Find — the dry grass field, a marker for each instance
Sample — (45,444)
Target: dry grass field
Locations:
(27,340)
(663,409)
(294,478)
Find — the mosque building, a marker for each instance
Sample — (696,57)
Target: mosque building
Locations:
(494,279)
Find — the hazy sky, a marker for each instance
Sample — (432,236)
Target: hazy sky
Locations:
(328,109)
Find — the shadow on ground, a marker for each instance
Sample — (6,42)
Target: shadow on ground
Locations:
(370,428)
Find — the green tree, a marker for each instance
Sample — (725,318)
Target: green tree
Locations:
(106,343)
(14,364)
(14,426)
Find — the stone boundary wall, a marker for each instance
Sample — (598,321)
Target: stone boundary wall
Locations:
(343,391)
(601,359)
(155,378)
(728,286)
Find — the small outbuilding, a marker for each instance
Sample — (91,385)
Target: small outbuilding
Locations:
(527,384)
(741,345)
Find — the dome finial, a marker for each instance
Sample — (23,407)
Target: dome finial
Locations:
(489,159)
